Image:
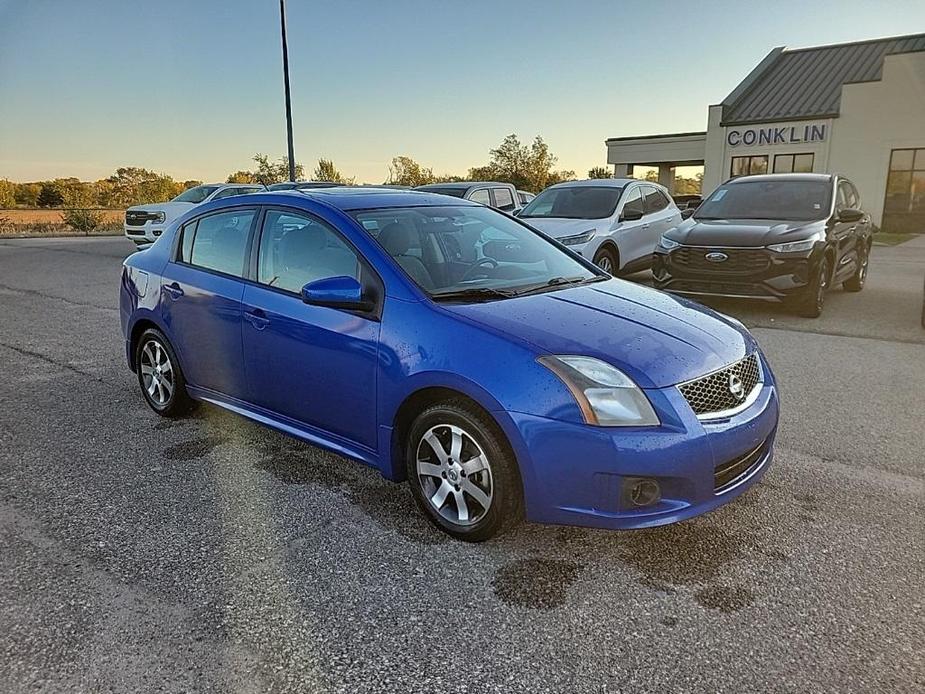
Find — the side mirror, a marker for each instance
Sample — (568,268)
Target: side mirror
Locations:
(687,213)
(849,214)
(336,292)
(630,215)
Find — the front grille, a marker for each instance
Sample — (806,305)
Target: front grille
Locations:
(137,219)
(724,288)
(737,261)
(722,390)
(726,474)
(135,232)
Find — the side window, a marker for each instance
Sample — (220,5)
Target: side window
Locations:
(219,241)
(634,201)
(296,250)
(186,241)
(655,201)
(481,196)
(841,196)
(854,199)
(503,199)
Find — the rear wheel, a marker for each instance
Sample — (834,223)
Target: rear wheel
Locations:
(461,473)
(813,299)
(162,383)
(856,282)
(606,259)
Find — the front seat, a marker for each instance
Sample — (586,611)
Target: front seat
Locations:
(396,239)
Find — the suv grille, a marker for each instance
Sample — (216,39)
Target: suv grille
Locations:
(724,389)
(726,474)
(739,261)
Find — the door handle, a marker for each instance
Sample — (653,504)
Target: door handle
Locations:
(645,226)
(257,318)
(174,291)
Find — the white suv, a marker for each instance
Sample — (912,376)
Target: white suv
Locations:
(144,223)
(615,222)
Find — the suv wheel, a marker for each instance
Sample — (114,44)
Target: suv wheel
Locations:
(813,299)
(855,283)
(461,473)
(606,260)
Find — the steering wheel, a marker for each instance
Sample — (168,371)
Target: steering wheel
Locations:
(477,264)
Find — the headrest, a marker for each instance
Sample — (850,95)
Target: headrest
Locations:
(396,238)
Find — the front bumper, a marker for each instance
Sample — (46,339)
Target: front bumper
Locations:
(144,234)
(783,275)
(577,475)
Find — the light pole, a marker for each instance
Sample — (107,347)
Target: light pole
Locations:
(282,24)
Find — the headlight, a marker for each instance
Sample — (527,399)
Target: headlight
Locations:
(606,396)
(577,239)
(158,217)
(796,246)
(667,244)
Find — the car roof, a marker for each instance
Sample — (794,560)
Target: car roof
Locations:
(460,184)
(364,198)
(601,182)
(782,177)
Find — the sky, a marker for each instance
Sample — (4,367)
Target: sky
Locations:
(193,88)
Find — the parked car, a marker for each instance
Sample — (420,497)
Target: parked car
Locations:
(776,237)
(688,201)
(144,223)
(502,196)
(616,222)
(446,343)
(523,197)
(302,185)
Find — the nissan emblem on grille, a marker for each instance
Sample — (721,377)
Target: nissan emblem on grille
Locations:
(723,390)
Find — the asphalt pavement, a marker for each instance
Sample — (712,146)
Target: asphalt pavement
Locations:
(210,554)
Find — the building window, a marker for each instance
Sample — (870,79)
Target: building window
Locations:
(794,163)
(904,206)
(748,166)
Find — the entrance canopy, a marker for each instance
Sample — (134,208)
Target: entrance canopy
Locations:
(663,152)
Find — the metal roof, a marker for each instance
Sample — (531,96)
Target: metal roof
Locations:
(807,82)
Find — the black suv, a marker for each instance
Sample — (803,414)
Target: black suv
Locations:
(778,237)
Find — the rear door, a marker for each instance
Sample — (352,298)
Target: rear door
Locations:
(201,290)
(661,213)
(503,199)
(312,364)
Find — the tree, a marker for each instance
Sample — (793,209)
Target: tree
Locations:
(274,172)
(7,194)
(131,185)
(241,177)
(527,168)
(405,171)
(599,172)
(27,194)
(326,171)
(49,195)
(82,220)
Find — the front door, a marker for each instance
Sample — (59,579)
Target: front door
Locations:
(312,364)
(201,290)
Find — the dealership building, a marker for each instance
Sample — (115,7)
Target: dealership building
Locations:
(854,108)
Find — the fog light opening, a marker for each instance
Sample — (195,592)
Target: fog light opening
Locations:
(644,492)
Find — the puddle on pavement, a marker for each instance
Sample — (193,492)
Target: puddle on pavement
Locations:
(536,583)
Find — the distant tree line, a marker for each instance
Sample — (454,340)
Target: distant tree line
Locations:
(530,167)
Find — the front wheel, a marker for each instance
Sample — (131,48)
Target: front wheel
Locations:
(856,282)
(813,299)
(606,260)
(461,473)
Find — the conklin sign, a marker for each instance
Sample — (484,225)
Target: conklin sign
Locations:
(784,135)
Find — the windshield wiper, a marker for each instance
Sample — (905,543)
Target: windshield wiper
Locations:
(481,293)
(557,282)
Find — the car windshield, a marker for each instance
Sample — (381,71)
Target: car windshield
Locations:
(195,195)
(455,192)
(288,185)
(787,200)
(471,252)
(574,202)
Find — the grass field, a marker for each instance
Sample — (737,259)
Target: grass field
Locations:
(30,222)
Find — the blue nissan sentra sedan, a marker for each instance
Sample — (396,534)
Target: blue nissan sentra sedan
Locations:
(452,346)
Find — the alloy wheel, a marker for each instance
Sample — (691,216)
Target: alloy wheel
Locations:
(157,373)
(604,264)
(823,284)
(454,474)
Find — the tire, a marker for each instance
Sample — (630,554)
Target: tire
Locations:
(812,301)
(855,283)
(606,259)
(159,375)
(454,452)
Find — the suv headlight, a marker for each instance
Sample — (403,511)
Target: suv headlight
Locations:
(606,396)
(158,217)
(577,239)
(667,244)
(796,246)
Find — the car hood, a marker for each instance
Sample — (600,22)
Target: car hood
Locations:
(741,232)
(171,210)
(559,228)
(655,338)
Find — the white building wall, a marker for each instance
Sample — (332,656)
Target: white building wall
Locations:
(877,117)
